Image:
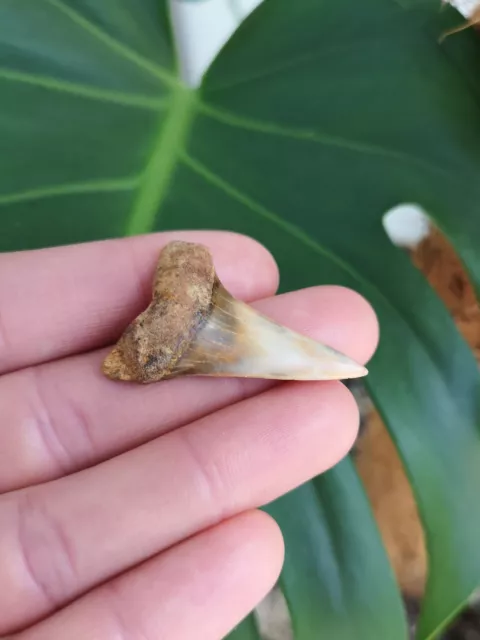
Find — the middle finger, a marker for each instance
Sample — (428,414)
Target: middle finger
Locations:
(63,416)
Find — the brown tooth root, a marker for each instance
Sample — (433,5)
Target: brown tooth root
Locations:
(193,326)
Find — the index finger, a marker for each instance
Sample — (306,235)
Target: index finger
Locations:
(64,300)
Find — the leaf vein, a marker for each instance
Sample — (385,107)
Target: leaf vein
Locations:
(115,45)
(74,188)
(292,63)
(156,178)
(263,74)
(318,137)
(83,90)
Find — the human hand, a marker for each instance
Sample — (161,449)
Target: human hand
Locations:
(130,511)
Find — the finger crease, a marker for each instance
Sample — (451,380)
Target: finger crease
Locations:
(46,426)
(45,550)
(83,427)
(208,476)
(5,342)
(123,629)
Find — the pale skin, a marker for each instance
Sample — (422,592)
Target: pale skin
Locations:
(130,512)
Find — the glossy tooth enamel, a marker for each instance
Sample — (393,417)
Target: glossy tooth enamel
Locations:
(193,326)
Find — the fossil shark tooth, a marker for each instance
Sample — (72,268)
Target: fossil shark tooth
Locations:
(193,326)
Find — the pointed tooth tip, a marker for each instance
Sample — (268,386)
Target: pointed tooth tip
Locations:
(345,370)
(358,371)
(352,369)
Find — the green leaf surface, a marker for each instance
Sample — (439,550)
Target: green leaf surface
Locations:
(330,560)
(315,118)
(246,630)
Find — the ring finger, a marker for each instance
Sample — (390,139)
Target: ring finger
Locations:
(200,589)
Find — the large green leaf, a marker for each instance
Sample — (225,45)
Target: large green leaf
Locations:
(331,560)
(316,117)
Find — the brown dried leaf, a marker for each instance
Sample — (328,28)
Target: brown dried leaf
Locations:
(377,460)
(473,21)
(445,273)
